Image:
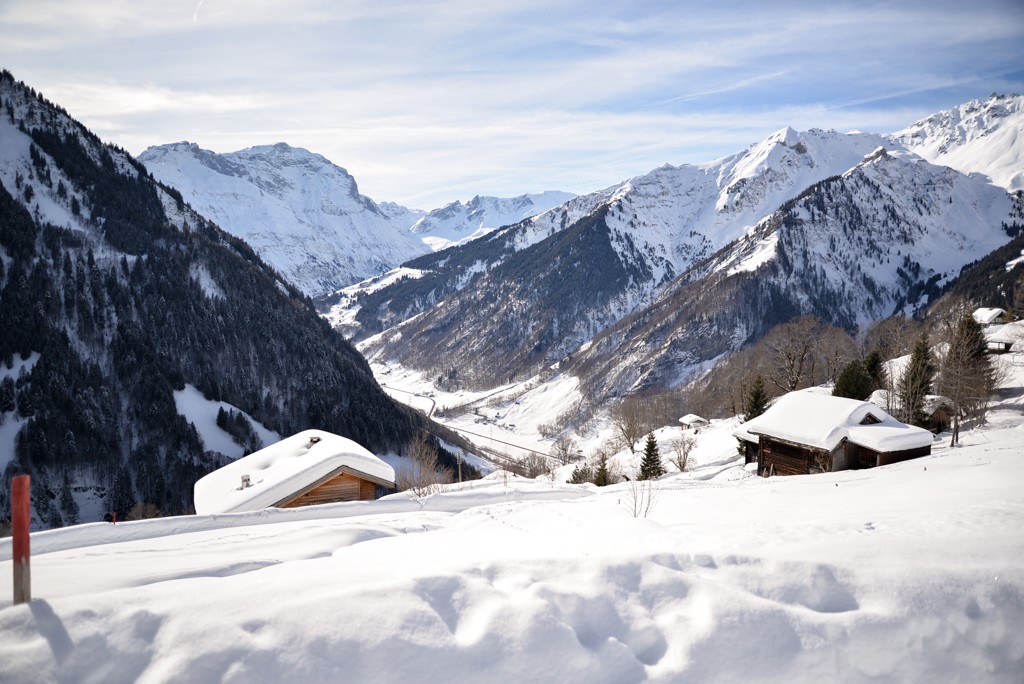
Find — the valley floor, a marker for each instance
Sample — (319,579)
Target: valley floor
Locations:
(911,572)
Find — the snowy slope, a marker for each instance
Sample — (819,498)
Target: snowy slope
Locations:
(300,212)
(910,572)
(458,222)
(981,136)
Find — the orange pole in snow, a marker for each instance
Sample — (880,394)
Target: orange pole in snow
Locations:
(20,517)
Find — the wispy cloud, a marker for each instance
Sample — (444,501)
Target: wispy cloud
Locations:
(431,101)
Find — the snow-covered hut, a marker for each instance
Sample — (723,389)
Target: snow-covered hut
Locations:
(805,432)
(311,467)
(693,421)
(986,316)
(1001,339)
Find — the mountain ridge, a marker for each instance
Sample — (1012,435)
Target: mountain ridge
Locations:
(662,226)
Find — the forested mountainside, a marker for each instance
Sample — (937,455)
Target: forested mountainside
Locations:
(642,284)
(114,295)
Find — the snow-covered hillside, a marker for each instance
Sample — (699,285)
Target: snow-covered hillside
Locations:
(302,214)
(909,572)
(981,136)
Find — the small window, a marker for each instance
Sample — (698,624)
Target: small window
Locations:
(870,419)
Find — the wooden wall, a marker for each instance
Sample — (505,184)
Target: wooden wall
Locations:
(343,487)
(783,458)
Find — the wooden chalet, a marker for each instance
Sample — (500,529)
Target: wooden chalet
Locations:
(310,468)
(810,432)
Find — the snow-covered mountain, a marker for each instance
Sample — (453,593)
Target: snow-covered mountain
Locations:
(567,274)
(458,222)
(981,136)
(305,216)
(848,226)
(127,321)
(883,237)
(301,213)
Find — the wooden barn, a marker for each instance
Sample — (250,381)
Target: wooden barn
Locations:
(312,467)
(810,432)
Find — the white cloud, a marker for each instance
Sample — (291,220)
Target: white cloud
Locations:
(429,101)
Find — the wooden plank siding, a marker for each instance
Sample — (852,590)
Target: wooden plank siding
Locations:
(776,457)
(779,457)
(863,457)
(343,487)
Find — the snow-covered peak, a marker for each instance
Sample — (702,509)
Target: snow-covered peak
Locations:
(458,222)
(302,214)
(979,136)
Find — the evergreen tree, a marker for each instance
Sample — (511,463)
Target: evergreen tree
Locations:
(651,466)
(122,499)
(754,404)
(873,366)
(582,473)
(602,478)
(916,383)
(757,399)
(67,502)
(853,381)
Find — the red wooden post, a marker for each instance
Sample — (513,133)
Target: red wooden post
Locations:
(20,516)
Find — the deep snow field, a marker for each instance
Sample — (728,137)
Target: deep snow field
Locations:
(907,573)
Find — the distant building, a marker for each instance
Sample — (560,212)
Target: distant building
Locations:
(692,421)
(311,467)
(938,410)
(988,316)
(1002,339)
(808,432)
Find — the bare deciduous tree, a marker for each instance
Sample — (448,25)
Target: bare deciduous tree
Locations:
(425,476)
(791,346)
(681,452)
(640,497)
(631,421)
(564,450)
(966,375)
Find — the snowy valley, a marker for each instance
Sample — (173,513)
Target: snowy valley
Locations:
(159,325)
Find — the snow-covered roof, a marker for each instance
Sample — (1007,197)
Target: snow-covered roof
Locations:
(693,419)
(1005,334)
(823,421)
(984,316)
(285,468)
(931,403)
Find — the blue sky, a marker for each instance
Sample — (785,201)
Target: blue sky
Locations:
(427,102)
